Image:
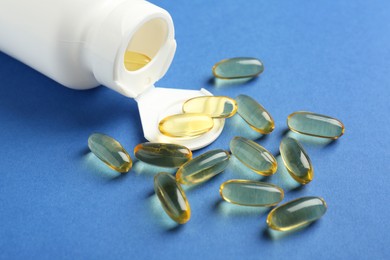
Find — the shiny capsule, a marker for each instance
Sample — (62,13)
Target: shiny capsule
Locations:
(203,167)
(253,156)
(163,155)
(172,197)
(186,125)
(296,213)
(110,151)
(251,193)
(315,125)
(296,160)
(135,60)
(255,115)
(214,106)
(236,68)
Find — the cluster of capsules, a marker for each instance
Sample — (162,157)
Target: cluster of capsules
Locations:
(193,171)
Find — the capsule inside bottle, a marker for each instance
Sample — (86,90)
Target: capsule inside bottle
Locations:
(135,60)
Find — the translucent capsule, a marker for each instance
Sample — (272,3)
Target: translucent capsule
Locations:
(315,125)
(236,68)
(186,125)
(255,115)
(203,167)
(296,213)
(214,106)
(163,155)
(135,60)
(253,156)
(251,193)
(296,160)
(110,152)
(172,197)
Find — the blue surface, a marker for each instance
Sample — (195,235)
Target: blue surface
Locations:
(330,57)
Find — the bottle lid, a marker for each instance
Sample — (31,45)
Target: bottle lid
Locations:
(158,103)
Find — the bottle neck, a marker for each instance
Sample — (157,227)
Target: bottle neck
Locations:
(136,26)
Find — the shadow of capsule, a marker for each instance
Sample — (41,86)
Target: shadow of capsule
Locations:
(160,216)
(221,83)
(148,170)
(232,210)
(310,140)
(100,168)
(272,234)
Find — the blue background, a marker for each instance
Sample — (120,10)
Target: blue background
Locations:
(331,57)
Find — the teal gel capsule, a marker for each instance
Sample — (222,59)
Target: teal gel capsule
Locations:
(110,151)
(172,197)
(296,213)
(203,167)
(251,193)
(315,125)
(236,68)
(253,155)
(163,155)
(255,115)
(296,160)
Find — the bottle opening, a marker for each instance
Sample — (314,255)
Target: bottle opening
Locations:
(145,44)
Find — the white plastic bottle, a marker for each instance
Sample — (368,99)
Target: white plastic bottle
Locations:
(81,44)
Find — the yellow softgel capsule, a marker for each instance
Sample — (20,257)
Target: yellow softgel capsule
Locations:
(254,156)
(203,167)
(296,213)
(317,125)
(186,125)
(135,60)
(214,106)
(172,197)
(110,151)
(251,193)
(296,160)
(163,155)
(255,114)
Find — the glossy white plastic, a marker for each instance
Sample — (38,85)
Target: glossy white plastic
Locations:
(81,44)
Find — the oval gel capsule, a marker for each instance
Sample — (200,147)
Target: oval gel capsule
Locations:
(172,197)
(255,114)
(236,68)
(214,106)
(297,213)
(186,125)
(203,167)
(296,160)
(315,125)
(251,193)
(254,156)
(110,151)
(163,155)
(134,60)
